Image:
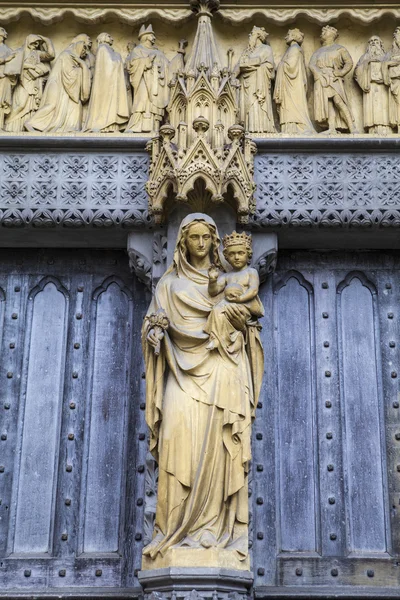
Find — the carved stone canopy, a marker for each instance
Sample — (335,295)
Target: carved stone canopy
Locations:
(203,139)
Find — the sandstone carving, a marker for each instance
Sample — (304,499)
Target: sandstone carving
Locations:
(210,145)
(391,69)
(369,74)
(7,82)
(129,92)
(239,286)
(108,106)
(67,88)
(157,91)
(149,75)
(290,92)
(49,14)
(200,402)
(255,71)
(30,66)
(329,65)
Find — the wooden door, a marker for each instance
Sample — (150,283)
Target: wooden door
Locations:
(72,432)
(326,472)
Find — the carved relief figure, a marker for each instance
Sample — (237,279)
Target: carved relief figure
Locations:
(329,65)
(369,76)
(67,88)
(239,286)
(7,82)
(107,112)
(148,70)
(31,65)
(391,73)
(290,92)
(130,48)
(199,407)
(90,61)
(255,71)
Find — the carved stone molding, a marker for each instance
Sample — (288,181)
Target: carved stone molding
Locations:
(195,584)
(327,190)
(73,190)
(47,15)
(322,16)
(265,254)
(319,183)
(141,267)
(147,256)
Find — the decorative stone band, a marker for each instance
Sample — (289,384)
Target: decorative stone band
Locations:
(327,190)
(49,189)
(79,183)
(133,16)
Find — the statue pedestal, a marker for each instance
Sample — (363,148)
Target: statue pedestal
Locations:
(196,583)
(199,557)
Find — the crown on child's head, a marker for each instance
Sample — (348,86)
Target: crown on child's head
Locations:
(237,239)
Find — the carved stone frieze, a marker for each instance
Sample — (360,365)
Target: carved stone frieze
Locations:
(44,91)
(327,190)
(73,189)
(79,189)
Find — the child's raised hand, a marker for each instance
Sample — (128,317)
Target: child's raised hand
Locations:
(213,273)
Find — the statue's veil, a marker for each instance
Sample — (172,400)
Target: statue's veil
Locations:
(180,265)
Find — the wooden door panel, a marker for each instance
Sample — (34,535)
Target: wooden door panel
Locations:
(104,491)
(296,414)
(362,406)
(46,327)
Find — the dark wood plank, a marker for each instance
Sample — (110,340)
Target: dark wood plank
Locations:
(333,529)
(264,522)
(136,446)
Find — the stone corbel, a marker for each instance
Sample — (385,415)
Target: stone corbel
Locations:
(265,254)
(147,254)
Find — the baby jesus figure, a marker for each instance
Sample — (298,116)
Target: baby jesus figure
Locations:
(239,286)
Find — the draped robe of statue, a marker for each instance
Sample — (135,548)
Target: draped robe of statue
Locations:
(256,73)
(67,87)
(108,104)
(7,83)
(369,76)
(199,408)
(32,67)
(150,87)
(325,61)
(391,76)
(290,92)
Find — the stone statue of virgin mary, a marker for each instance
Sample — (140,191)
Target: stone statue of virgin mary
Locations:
(199,408)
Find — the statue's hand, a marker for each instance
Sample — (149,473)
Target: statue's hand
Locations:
(237,316)
(213,273)
(153,339)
